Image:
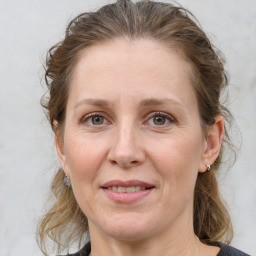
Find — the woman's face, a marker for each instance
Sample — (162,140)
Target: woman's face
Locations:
(133,145)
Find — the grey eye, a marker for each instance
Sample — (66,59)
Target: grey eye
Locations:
(97,120)
(159,120)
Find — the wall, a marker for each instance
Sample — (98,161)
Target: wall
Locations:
(27,156)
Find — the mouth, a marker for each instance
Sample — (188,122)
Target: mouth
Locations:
(128,186)
(127,191)
(131,189)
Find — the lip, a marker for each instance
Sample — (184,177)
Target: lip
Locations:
(128,183)
(126,198)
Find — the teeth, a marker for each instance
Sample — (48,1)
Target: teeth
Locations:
(121,189)
(126,189)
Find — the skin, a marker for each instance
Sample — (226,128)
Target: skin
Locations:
(127,143)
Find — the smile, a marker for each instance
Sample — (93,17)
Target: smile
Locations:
(127,191)
(131,189)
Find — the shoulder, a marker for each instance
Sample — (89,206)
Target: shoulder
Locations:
(226,250)
(85,251)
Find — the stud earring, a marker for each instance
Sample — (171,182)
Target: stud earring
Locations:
(208,167)
(67,181)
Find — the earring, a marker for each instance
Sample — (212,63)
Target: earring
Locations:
(67,181)
(208,167)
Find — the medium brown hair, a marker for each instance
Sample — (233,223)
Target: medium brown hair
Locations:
(64,222)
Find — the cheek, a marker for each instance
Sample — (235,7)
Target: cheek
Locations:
(83,157)
(177,161)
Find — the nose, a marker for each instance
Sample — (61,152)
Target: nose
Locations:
(126,149)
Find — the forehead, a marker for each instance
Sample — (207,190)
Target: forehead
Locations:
(127,66)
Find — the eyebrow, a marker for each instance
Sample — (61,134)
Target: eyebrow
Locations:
(95,102)
(155,101)
(143,103)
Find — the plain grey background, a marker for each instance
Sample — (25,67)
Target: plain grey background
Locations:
(27,154)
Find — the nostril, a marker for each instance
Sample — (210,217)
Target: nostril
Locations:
(125,158)
(113,162)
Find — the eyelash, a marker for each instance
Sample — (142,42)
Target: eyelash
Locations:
(167,117)
(88,117)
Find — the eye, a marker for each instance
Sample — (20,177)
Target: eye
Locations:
(97,120)
(94,119)
(160,119)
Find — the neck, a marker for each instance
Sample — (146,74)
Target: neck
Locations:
(182,243)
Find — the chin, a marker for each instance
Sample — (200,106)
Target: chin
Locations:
(128,229)
(128,235)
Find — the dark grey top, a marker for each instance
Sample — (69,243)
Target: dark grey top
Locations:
(225,250)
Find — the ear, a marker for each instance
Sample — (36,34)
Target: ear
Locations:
(59,145)
(212,144)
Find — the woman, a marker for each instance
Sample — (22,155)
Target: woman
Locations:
(134,102)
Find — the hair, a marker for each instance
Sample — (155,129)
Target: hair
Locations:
(173,25)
